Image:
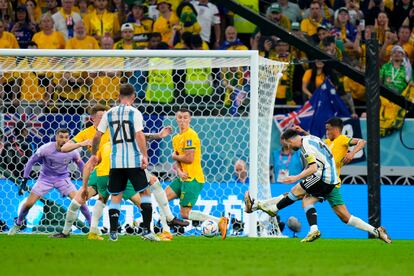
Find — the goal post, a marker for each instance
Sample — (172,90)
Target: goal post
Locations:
(230,93)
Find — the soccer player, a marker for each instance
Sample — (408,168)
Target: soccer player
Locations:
(187,186)
(53,174)
(129,158)
(318,179)
(339,145)
(99,184)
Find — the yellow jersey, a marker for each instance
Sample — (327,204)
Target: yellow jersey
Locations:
(104,154)
(186,141)
(164,26)
(31,88)
(8,40)
(89,133)
(52,41)
(339,148)
(100,24)
(89,43)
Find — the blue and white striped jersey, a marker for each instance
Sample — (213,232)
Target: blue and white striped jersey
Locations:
(315,150)
(123,122)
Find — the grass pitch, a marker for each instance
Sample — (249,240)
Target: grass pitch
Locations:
(40,255)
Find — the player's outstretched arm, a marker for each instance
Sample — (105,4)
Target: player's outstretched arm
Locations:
(160,135)
(71,145)
(359,145)
(311,169)
(29,165)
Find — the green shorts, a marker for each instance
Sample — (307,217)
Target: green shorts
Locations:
(188,192)
(100,184)
(335,197)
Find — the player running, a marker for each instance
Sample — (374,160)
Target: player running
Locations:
(339,145)
(187,186)
(318,179)
(54,173)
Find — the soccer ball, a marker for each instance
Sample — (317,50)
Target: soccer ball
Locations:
(209,228)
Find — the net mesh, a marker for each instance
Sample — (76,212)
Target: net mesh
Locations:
(40,94)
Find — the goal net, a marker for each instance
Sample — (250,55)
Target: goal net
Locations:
(230,94)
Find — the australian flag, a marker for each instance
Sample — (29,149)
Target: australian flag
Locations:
(324,104)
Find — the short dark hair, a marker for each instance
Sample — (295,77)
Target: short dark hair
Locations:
(335,122)
(289,133)
(62,130)
(127,90)
(196,41)
(98,107)
(155,34)
(184,110)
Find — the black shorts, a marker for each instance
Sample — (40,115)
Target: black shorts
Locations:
(118,179)
(315,187)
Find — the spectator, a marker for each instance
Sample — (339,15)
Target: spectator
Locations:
(313,78)
(65,19)
(355,14)
(34,11)
(127,42)
(153,40)
(291,10)
(83,8)
(231,41)
(47,38)
(374,9)
(402,39)
(120,8)
(51,8)
(6,13)
(344,30)
(381,27)
(208,16)
(166,21)
(188,23)
(240,172)
(396,74)
(244,27)
(329,45)
(105,87)
(81,40)
(142,24)
(197,43)
(31,84)
(274,13)
(107,43)
(101,22)
(310,24)
(325,11)
(23,29)
(286,162)
(401,11)
(7,40)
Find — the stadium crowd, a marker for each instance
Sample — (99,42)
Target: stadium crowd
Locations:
(339,27)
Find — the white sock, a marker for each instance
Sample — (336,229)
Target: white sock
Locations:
(162,200)
(96,216)
(195,215)
(268,203)
(362,225)
(71,216)
(313,228)
(165,227)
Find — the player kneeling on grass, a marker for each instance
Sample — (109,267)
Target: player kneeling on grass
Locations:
(189,183)
(339,145)
(54,173)
(318,179)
